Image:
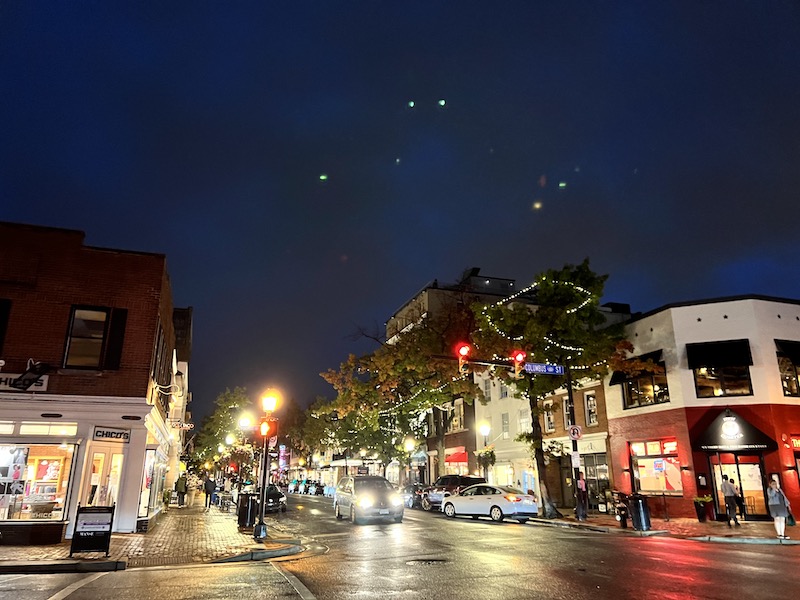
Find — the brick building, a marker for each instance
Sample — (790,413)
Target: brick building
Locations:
(89,384)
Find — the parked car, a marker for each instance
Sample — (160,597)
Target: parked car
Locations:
(315,488)
(293,484)
(274,499)
(494,501)
(367,497)
(444,486)
(412,495)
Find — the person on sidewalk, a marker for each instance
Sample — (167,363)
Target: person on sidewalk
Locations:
(210,486)
(182,486)
(729,492)
(779,507)
(582,497)
(739,497)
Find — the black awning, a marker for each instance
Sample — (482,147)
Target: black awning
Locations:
(731,433)
(618,377)
(729,353)
(790,350)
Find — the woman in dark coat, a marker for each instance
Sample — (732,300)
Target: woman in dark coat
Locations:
(778,507)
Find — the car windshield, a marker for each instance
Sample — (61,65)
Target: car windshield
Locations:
(372,484)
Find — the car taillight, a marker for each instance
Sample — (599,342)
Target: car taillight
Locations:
(512,498)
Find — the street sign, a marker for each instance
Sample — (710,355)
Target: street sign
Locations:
(575,432)
(544,369)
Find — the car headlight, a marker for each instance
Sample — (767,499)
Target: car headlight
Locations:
(395,500)
(365,501)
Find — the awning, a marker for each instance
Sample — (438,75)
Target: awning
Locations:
(790,350)
(457,457)
(729,353)
(621,376)
(731,433)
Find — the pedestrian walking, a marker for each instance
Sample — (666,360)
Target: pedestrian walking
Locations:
(739,497)
(582,497)
(181,486)
(210,486)
(779,507)
(729,492)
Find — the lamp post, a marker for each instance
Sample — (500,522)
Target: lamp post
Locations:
(409,446)
(484,430)
(268,403)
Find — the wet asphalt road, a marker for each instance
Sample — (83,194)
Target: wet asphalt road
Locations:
(431,557)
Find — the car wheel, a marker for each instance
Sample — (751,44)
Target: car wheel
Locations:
(449,510)
(398,519)
(283,508)
(337,512)
(353,516)
(496,513)
(426,504)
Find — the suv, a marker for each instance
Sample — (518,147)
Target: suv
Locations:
(367,497)
(446,485)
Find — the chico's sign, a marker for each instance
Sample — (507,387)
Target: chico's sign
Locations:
(110,434)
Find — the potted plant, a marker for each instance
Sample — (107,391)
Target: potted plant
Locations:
(166,497)
(701,507)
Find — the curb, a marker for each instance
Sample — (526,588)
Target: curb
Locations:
(61,566)
(286,550)
(744,540)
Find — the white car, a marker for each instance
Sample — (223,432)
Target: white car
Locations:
(494,501)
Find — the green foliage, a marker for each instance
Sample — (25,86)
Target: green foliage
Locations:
(224,420)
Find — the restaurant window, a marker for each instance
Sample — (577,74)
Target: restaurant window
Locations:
(95,338)
(788,364)
(643,388)
(590,400)
(721,368)
(34,479)
(656,468)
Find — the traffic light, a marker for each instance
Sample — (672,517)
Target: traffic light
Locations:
(518,358)
(462,352)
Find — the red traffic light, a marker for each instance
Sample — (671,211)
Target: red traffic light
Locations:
(463,350)
(518,356)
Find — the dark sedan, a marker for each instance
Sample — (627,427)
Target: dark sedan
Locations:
(275,499)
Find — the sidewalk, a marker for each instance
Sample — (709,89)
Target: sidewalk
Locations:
(186,535)
(751,532)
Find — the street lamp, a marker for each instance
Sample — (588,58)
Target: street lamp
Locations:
(409,446)
(269,402)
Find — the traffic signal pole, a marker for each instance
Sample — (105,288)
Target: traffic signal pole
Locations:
(580,494)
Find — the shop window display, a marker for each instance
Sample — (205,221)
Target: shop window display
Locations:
(656,467)
(34,480)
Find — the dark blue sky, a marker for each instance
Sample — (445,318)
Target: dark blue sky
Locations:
(200,130)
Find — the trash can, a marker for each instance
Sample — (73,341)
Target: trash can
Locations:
(640,512)
(247,510)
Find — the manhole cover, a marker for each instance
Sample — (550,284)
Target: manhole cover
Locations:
(426,561)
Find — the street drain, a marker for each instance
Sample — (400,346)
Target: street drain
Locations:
(426,561)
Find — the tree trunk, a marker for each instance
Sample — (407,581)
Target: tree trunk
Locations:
(548,509)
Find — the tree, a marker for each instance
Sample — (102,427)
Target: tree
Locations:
(562,325)
(384,395)
(220,423)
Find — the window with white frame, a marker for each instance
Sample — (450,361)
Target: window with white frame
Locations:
(503,390)
(487,388)
(549,419)
(525,421)
(457,422)
(590,401)
(504,421)
(567,419)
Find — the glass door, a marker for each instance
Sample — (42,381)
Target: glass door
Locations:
(102,487)
(746,470)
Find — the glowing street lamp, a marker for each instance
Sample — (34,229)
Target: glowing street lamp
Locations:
(269,403)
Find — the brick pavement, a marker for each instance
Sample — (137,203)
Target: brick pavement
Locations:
(181,536)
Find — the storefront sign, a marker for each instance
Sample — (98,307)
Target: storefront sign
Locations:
(730,433)
(796,442)
(7,379)
(109,434)
(92,529)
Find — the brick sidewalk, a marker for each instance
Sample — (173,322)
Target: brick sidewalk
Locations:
(181,536)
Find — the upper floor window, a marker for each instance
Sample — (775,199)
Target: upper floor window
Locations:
(524,421)
(643,388)
(504,422)
(487,388)
(590,401)
(457,420)
(789,363)
(567,416)
(721,368)
(95,337)
(5,312)
(503,390)
(549,419)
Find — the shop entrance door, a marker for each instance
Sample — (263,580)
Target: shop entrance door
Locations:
(102,486)
(747,471)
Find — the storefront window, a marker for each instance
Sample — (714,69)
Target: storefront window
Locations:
(34,479)
(656,468)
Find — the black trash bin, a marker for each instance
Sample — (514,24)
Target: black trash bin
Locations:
(640,512)
(247,510)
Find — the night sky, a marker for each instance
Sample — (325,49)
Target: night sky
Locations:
(271,151)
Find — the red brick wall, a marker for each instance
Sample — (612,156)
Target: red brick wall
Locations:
(44,272)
